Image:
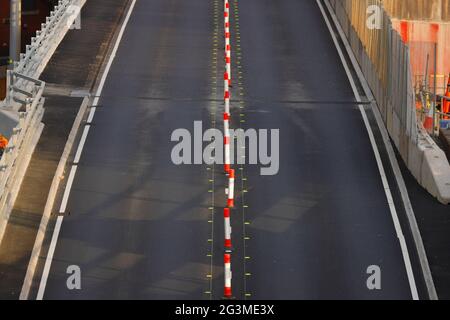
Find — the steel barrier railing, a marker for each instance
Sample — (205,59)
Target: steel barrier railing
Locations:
(25,102)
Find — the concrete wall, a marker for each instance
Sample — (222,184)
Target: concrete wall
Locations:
(384,59)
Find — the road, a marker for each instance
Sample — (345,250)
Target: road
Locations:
(138,224)
(140,227)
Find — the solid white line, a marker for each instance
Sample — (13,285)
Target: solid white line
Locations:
(48,261)
(78,155)
(81,145)
(91,115)
(428,278)
(65,198)
(113,54)
(46,215)
(384,180)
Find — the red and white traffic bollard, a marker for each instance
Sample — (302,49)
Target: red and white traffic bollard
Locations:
(227,43)
(227,222)
(226,16)
(227,94)
(226,141)
(230,201)
(227,38)
(228,64)
(228,61)
(226,87)
(228,275)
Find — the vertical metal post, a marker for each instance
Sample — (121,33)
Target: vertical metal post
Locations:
(426,76)
(434,89)
(9,81)
(15,30)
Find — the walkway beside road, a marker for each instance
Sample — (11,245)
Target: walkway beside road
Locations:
(72,71)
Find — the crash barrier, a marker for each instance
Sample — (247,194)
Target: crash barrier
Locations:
(22,142)
(385,62)
(37,54)
(22,110)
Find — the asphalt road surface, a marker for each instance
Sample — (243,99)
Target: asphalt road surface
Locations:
(142,228)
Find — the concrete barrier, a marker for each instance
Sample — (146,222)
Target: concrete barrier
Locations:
(429,165)
(385,63)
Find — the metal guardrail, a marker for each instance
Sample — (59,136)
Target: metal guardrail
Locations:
(24,98)
(17,154)
(44,44)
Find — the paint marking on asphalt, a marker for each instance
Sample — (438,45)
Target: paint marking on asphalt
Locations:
(48,261)
(245,236)
(213,112)
(91,115)
(81,144)
(426,272)
(73,170)
(65,198)
(113,54)
(382,172)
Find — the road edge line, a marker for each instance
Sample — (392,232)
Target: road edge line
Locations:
(51,252)
(45,218)
(380,165)
(58,177)
(382,172)
(418,242)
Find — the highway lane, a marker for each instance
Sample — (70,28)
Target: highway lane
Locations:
(136,224)
(317,225)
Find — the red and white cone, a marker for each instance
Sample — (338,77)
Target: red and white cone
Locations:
(230,201)
(227,221)
(228,275)
(226,141)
